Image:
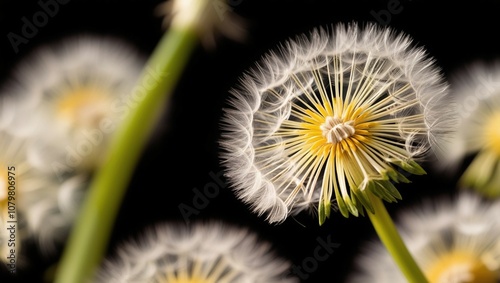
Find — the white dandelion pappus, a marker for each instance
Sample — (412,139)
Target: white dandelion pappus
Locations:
(200,253)
(453,241)
(68,97)
(18,179)
(332,114)
(52,209)
(73,95)
(12,163)
(207,18)
(44,207)
(476,91)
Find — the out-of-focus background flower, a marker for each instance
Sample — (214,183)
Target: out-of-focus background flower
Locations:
(179,177)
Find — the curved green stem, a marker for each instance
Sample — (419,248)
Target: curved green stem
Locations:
(388,234)
(90,235)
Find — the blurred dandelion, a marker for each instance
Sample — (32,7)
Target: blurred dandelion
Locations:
(191,20)
(19,181)
(50,209)
(201,253)
(476,92)
(207,18)
(73,95)
(332,115)
(12,163)
(453,241)
(62,104)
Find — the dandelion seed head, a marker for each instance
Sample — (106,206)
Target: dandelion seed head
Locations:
(202,253)
(52,208)
(332,115)
(69,92)
(18,180)
(452,240)
(43,207)
(476,90)
(205,17)
(460,266)
(65,98)
(83,108)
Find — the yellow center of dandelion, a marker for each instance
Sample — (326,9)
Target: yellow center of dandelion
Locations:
(4,185)
(460,267)
(344,134)
(83,107)
(327,134)
(189,280)
(334,139)
(198,271)
(492,130)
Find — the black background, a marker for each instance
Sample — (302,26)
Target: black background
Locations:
(184,150)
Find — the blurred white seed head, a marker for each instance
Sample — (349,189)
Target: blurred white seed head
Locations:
(43,207)
(66,99)
(19,180)
(205,17)
(451,240)
(50,210)
(13,166)
(476,90)
(72,95)
(199,253)
(334,114)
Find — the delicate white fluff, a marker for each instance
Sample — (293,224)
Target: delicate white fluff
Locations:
(258,156)
(102,70)
(206,17)
(69,137)
(433,229)
(18,180)
(12,159)
(208,252)
(476,91)
(51,209)
(43,206)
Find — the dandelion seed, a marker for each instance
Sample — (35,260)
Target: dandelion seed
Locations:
(332,115)
(453,241)
(203,253)
(477,132)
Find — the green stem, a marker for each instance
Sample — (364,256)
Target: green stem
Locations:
(386,230)
(90,235)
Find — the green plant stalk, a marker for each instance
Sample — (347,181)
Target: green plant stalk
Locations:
(388,234)
(89,238)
